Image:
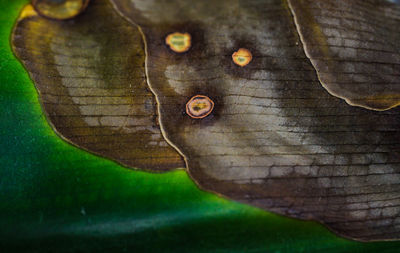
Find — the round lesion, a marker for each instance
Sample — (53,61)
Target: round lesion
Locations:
(60,9)
(199,107)
(242,57)
(179,42)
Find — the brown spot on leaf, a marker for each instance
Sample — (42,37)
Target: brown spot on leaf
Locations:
(199,107)
(242,57)
(179,42)
(60,9)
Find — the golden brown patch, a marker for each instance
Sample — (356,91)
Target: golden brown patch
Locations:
(60,9)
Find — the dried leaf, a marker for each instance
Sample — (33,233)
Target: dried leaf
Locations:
(90,76)
(354,46)
(276,138)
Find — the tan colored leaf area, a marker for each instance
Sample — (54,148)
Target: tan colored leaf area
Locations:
(283,105)
(90,76)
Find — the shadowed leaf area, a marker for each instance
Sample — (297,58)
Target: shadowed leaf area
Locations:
(276,139)
(354,46)
(90,76)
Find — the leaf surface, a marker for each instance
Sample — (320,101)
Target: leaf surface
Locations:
(90,76)
(354,46)
(276,138)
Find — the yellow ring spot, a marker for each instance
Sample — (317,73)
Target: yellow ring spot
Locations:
(199,107)
(60,9)
(242,57)
(179,42)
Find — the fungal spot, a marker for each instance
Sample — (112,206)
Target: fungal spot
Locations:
(242,57)
(179,42)
(199,107)
(60,9)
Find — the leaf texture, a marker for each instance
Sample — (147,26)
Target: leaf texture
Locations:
(354,46)
(90,76)
(276,138)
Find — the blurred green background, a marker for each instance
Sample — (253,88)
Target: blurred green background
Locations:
(57,198)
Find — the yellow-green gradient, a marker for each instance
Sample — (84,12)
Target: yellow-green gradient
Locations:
(57,198)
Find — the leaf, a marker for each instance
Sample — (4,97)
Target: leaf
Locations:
(354,46)
(276,138)
(89,73)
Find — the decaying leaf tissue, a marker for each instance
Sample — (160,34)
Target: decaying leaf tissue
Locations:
(287,105)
